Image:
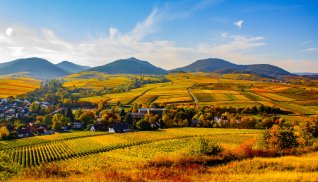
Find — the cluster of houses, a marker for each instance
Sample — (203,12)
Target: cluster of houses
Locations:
(17,108)
(20,108)
(121,127)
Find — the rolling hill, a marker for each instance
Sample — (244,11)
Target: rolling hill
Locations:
(71,67)
(222,66)
(129,66)
(35,67)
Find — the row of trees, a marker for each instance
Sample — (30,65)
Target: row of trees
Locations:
(290,135)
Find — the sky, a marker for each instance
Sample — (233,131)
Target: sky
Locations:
(168,34)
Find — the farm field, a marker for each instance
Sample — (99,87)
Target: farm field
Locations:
(16,85)
(131,155)
(203,89)
(36,150)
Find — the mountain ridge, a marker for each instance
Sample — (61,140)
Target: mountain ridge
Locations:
(36,67)
(42,68)
(129,66)
(72,67)
(216,65)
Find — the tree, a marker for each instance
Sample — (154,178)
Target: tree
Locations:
(70,114)
(4,133)
(34,107)
(87,117)
(122,112)
(61,118)
(57,125)
(78,114)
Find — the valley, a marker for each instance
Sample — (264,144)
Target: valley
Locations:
(181,126)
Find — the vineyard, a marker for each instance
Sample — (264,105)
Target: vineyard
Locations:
(12,85)
(59,148)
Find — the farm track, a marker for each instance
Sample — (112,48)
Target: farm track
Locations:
(135,98)
(192,95)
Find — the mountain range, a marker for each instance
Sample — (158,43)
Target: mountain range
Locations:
(41,68)
(221,66)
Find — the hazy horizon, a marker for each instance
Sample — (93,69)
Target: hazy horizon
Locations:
(168,34)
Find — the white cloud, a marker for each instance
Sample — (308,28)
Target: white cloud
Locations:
(239,23)
(113,33)
(312,49)
(104,49)
(9,31)
(146,27)
(101,50)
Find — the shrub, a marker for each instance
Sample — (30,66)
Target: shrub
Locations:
(143,125)
(7,167)
(209,148)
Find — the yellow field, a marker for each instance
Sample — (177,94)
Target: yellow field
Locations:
(169,155)
(13,86)
(95,80)
(209,90)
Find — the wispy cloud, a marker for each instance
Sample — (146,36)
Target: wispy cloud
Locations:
(305,43)
(311,49)
(207,3)
(239,23)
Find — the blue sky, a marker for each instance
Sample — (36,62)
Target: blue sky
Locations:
(169,34)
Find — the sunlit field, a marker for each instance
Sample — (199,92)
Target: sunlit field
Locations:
(13,86)
(158,155)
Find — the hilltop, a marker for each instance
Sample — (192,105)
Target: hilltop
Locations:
(71,67)
(35,67)
(223,67)
(129,66)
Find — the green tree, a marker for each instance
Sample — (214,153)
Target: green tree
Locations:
(70,114)
(34,107)
(57,125)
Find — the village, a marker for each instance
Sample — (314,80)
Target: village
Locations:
(23,118)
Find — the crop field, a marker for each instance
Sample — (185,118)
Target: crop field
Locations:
(236,104)
(97,80)
(47,139)
(208,90)
(299,109)
(12,86)
(275,97)
(43,149)
(218,95)
(133,154)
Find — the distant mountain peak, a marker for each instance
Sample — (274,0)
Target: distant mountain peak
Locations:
(37,67)
(71,67)
(130,65)
(220,65)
